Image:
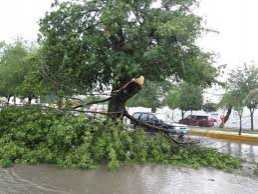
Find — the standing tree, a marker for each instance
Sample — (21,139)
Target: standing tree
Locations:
(252,103)
(172,99)
(150,96)
(225,103)
(245,79)
(237,100)
(233,100)
(91,45)
(186,97)
(32,85)
(12,61)
(209,107)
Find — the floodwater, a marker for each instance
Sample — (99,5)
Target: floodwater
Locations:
(148,179)
(127,180)
(248,152)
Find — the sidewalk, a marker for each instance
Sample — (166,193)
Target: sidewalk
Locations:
(225,134)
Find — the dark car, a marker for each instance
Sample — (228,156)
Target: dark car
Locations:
(151,119)
(198,120)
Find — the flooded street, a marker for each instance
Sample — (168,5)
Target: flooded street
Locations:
(248,152)
(128,180)
(148,179)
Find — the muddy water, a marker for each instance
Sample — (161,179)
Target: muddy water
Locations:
(128,180)
(133,179)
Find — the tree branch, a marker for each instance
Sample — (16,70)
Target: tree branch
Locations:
(92,102)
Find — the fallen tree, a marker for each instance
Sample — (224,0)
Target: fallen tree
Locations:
(121,96)
(34,135)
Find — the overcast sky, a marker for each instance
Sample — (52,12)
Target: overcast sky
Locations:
(236,21)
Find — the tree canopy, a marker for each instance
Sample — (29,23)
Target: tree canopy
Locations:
(152,96)
(19,71)
(209,107)
(12,63)
(186,96)
(88,45)
(241,90)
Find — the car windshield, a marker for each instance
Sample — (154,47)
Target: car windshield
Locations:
(152,117)
(136,115)
(201,117)
(144,117)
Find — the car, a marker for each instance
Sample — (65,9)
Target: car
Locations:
(151,119)
(198,120)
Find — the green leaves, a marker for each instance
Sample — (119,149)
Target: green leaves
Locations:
(31,135)
(150,96)
(186,97)
(12,61)
(90,45)
(19,71)
(241,88)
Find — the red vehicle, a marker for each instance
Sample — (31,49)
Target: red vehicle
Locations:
(198,120)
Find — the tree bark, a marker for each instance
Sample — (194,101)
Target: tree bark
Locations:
(8,100)
(29,100)
(119,97)
(14,100)
(182,114)
(252,119)
(226,117)
(153,109)
(240,125)
(60,102)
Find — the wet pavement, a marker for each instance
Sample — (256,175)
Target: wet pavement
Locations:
(147,179)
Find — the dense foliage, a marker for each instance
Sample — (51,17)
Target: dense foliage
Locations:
(241,91)
(12,68)
(88,45)
(186,97)
(19,71)
(151,96)
(210,107)
(32,135)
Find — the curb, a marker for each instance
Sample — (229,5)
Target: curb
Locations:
(249,138)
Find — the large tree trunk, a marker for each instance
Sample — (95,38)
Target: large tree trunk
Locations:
(226,117)
(116,106)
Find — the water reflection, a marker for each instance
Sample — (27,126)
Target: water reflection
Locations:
(245,151)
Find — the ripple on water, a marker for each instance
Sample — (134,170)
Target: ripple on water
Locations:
(128,180)
(248,152)
(11,182)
